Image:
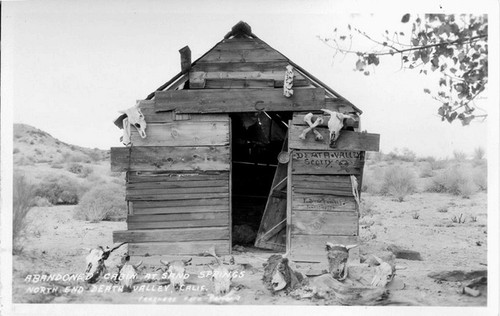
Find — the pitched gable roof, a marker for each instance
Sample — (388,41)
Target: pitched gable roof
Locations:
(242,57)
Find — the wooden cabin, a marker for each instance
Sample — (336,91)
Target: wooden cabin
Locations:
(223,155)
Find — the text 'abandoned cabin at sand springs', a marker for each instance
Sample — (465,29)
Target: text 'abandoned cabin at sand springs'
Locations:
(238,141)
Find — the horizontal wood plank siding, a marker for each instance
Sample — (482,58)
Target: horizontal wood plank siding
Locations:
(157,158)
(227,55)
(172,235)
(222,221)
(238,100)
(325,223)
(222,247)
(183,133)
(320,202)
(176,177)
(261,67)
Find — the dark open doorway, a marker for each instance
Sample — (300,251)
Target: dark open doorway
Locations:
(256,141)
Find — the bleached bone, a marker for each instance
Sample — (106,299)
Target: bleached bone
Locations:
(288,82)
(221,275)
(176,272)
(335,124)
(384,273)
(132,117)
(312,126)
(338,255)
(128,274)
(94,262)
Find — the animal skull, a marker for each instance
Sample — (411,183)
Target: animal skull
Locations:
(279,276)
(337,256)
(221,275)
(136,118)
(335,124)
(128,274)
(384,273)
(176,272)
(94,262)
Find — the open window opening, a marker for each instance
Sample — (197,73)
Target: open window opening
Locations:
(257,140)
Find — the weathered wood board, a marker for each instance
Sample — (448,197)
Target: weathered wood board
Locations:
(238,100)
(176,217)
(176,194)
(176,177)
(157,158)
(348,140)
(217,219)
(324,223)
(172,235)
(139,210)
(317,202)
(227,55)
(222,247)
(327,162)
(147,108)
(183,133)
(248,67)
(239,79)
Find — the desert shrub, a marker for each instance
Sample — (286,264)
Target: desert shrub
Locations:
(56,165)
(75,168)
(398,182)
(459,155)
(41,202)
(87,170)
(404,155)
(439,164)
(371,179)
(60,190)
(456,180)
(426,170)
(480,178)
(479,153)
(429,159)
(22,198)
(103,202)
(16,150)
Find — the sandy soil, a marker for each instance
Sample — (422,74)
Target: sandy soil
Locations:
(55,243)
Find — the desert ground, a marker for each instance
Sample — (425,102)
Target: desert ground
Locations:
(432,211)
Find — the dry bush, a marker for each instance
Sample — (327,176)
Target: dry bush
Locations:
(23,196)
(371,179)
(426,170)
(479,153)
(60,190)
(459,155)
(456,180)
(480,178)
(398,182)
(103,202)
(439,164)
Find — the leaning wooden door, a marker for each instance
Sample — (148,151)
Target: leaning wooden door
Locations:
(272,230)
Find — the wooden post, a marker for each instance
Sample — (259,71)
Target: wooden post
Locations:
(185,58)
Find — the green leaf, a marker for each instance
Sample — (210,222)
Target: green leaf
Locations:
(427,91)
(405,18)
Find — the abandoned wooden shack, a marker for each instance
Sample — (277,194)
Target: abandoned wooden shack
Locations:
(224,155)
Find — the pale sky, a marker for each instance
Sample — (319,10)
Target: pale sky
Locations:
(73,65)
